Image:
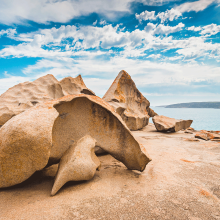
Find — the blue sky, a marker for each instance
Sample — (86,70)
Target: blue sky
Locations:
(171,48)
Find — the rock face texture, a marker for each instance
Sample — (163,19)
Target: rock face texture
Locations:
(82,115)
(128,102)
(26,145)
(78,163)
(26,95)
(75,86)
(163,123)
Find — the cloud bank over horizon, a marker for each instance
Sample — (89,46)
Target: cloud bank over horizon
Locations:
(171,48)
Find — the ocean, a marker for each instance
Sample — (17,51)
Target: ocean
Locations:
(203,118)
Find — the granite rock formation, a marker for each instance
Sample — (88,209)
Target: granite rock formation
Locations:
(128,102)
(78,163)
(26,145)
(26,95)
(164,124)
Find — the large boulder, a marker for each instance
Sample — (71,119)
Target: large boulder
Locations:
(27,145)
(26,95)
(128,102)
(78,163)
(164,124)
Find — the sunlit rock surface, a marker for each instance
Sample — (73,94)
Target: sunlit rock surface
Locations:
(28,94)
(46,131)
(78,163)
(164,124)
(128,102)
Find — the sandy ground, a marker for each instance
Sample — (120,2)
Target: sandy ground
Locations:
(181,182)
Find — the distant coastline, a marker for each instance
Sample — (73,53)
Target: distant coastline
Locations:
(215,105)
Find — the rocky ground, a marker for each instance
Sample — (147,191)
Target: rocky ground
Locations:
(181,182)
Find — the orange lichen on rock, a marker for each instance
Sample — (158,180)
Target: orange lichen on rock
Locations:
(208,135)
(204,193)
(187,161)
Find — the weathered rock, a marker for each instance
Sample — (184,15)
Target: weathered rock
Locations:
(26,95)
(207,135)
(75,86)
(82,115)
(201,135)
(27,144)
(78,163)
(128,102)
(163,123)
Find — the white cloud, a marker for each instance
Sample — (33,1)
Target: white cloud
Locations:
(155,56)
(207,30)
(102,22)
(165,29)
(176,12)
(146,15)
(9,32)
(194,6)
(193,28)
(44,11)
(47,43)
(171,15)
(95,22)
(211,29)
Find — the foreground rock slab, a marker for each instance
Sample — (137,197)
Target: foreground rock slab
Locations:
(128,102)
(164,124)
(78,163)
(27,145)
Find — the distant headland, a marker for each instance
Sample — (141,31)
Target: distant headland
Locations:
(194,105)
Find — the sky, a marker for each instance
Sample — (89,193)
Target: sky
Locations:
(171,48)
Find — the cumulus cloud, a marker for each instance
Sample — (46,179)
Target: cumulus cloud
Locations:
(207,30)
(193,28)
(176,12)
(146,15)
(162,29)
(170,15)
(211,29)
(77,41)
(9,32)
